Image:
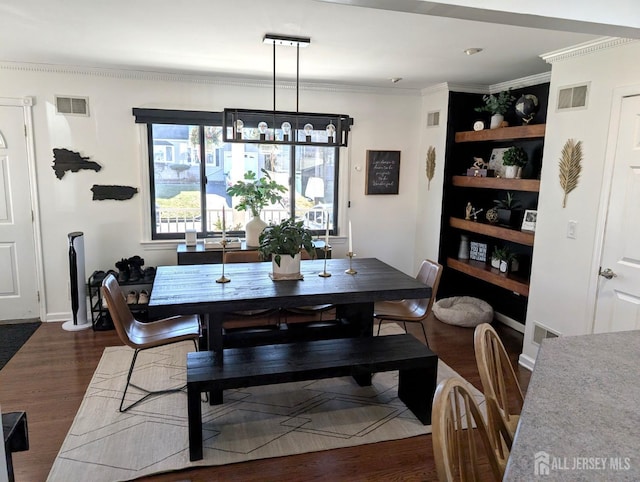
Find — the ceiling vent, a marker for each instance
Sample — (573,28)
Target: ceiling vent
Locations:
(574,97)
(433,119)
(72,105)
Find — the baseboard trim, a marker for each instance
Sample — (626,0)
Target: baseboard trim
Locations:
(526,362)
(510,322)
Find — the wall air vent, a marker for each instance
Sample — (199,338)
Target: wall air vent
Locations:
(574,97)
(72,105)
(433,119)
(540,333)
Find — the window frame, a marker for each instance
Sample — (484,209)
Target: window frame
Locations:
(202,119)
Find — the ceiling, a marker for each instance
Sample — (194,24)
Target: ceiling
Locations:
(350,45)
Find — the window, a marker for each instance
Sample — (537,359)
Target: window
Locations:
(187,193)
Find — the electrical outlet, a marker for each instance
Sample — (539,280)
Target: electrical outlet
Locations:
(572,228)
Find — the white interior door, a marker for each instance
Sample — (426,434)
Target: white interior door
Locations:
(18,278)
(618,298)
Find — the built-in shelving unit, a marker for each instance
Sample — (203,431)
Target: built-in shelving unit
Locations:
(506,292)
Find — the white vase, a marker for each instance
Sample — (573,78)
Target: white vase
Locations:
(289,267)
(495,263)
(510,172)
(504,266)
(496,120)
(253,229)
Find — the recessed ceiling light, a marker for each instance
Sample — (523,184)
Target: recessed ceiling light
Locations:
(472,51)
(395,80)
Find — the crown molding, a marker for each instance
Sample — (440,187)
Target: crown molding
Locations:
(522,82)
(585,48)
(148,75)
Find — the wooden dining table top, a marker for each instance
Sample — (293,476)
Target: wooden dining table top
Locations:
(191,289)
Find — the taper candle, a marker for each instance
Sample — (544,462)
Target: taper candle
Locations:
(326,236)
(224,224)
(350,238)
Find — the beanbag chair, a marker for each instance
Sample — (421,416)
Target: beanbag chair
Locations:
(463,311)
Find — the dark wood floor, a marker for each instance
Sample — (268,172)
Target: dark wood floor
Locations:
(47,378)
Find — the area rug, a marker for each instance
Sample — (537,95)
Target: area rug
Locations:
(12,337)
(253,423)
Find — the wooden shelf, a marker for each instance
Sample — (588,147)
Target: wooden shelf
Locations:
(530,185)
(502,134)
(500,232)
(485,272)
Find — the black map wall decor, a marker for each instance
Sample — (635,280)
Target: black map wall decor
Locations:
(119,193)
(65,160)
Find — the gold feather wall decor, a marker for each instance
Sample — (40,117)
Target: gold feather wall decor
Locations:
(570,167)
(431,164)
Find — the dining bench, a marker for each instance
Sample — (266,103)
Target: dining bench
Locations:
(310,360)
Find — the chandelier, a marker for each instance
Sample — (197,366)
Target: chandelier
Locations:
(282,127)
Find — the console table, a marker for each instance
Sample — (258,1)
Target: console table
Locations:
(199,255)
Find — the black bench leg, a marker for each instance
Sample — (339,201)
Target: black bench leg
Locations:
(361,376)
(416,387)
(194,416)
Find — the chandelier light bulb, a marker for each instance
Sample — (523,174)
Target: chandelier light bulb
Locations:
(308,129)
(262,127)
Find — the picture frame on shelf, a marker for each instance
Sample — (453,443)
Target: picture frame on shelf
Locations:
(529,220)
(495,161)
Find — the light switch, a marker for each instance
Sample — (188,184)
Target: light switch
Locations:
(571,229)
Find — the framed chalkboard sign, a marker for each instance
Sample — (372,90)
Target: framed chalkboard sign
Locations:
(383,172)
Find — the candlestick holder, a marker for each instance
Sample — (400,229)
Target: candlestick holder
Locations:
(351,254)
(324,273)
(223,278)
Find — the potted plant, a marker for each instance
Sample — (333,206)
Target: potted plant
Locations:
(497,106)
(501,258)
(255,195)
(514,159)
(505,208)
(283,243)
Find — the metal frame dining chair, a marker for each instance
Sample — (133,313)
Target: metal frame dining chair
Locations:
(500,386)
(412,311)
(143,336)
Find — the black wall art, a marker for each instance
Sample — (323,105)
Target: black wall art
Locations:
(65,160)
(118,193)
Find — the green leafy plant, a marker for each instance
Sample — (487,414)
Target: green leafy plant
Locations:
(497,104)
(509,202)
(502,254)
(288,237)
(515,156)
(255,194)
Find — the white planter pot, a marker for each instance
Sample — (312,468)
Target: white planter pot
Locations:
(253,229)
(510,172)
(495,263)
(496,120)
(289,267)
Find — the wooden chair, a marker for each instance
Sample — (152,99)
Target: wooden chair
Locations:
(461,443)
(142,336)
(412,311)
(500,385)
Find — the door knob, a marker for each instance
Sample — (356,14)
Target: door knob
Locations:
(607,273)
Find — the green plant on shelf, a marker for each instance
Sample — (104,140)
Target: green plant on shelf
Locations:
(497,104)
(515,156)
(509,202)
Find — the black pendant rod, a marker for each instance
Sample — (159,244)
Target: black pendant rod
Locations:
(274,77)
(297,76)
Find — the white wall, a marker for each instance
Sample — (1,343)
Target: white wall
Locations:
(384,120)
(563,268)
(429,198)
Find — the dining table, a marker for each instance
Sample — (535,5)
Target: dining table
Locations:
(580,419)
(194,289)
